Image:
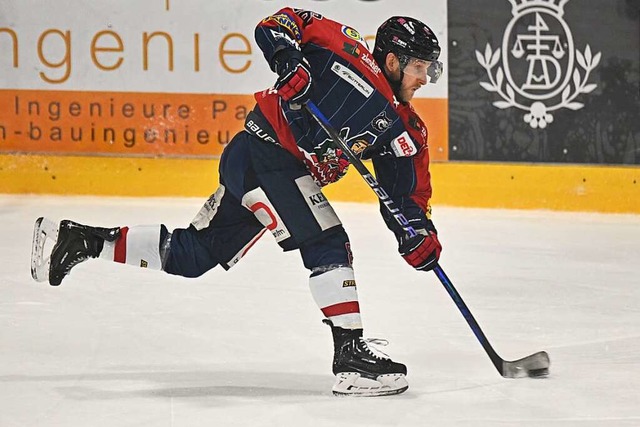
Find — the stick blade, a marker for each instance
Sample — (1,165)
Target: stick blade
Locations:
(533,366)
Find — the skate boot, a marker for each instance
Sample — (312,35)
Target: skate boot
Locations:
(361,370)
(74,243)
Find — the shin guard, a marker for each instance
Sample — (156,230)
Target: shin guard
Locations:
(138,245)
(335,293)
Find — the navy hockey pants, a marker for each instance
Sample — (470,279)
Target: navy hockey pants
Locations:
(263,188)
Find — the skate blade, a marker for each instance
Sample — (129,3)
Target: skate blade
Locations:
(352,384)
(43,230)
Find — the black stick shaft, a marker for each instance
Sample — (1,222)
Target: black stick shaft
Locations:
(402,221)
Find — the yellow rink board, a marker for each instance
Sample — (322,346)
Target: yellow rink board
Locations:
(513,186)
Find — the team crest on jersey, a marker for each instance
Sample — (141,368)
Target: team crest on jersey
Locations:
(538,72)
(361,141)
(358,143)
(381,122)
(285,21)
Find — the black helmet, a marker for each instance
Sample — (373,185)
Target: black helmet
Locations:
(405,36)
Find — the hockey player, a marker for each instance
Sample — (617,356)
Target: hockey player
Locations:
(271,176)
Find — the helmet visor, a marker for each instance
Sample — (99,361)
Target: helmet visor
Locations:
(429,71)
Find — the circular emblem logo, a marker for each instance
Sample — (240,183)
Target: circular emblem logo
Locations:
(538,53)
(538,69)
(351,33)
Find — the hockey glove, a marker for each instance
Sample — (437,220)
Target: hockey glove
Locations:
(422,251)
(294,81)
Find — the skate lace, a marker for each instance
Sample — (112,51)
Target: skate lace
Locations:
(371,346)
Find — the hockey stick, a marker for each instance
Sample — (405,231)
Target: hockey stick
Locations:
(535,365)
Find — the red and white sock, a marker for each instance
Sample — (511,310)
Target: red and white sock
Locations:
(138,245)
(336,294)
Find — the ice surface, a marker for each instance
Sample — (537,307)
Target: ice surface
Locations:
(120,346)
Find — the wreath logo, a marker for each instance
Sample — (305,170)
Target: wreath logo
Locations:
(538,69)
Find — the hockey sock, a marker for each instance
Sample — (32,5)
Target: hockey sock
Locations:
(335,293)
(138,245)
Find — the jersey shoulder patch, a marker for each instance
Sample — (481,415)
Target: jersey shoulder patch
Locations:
(403,145)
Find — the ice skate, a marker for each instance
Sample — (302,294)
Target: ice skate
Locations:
(73,243)
(361,370)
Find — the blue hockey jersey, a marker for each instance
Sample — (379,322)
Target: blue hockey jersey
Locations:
(353,93)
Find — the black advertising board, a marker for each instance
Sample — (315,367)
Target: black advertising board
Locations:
(544,81)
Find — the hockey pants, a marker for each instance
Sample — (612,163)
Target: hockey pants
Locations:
(263,188)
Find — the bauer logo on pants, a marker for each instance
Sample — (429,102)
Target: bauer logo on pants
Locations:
(538,69)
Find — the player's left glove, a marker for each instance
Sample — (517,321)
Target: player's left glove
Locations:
(422,251)
(294,81)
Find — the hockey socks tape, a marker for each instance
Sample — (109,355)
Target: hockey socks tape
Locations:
(137,246)
(336,294)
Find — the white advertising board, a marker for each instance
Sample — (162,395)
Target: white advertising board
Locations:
(180,46)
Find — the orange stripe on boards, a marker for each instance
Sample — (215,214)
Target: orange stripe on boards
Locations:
(120,123)
(152,124)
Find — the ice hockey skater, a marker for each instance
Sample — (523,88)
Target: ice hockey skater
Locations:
(272,174)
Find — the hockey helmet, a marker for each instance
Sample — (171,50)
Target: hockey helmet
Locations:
(411,41)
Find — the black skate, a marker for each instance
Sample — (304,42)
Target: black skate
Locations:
(74,243)
(361,370)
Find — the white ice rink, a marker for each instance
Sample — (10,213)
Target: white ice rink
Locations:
(119,346)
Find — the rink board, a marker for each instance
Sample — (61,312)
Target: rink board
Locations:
(567,188)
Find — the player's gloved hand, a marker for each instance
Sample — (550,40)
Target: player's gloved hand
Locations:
(422,251)
(294,76)
(331,166)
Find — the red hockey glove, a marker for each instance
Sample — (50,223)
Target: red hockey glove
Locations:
(422,251)
(294,81)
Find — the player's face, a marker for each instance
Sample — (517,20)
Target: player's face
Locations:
(411,82)
(415,74)
(418,72)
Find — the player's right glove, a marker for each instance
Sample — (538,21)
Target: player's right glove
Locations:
(294,76)
(422,251)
